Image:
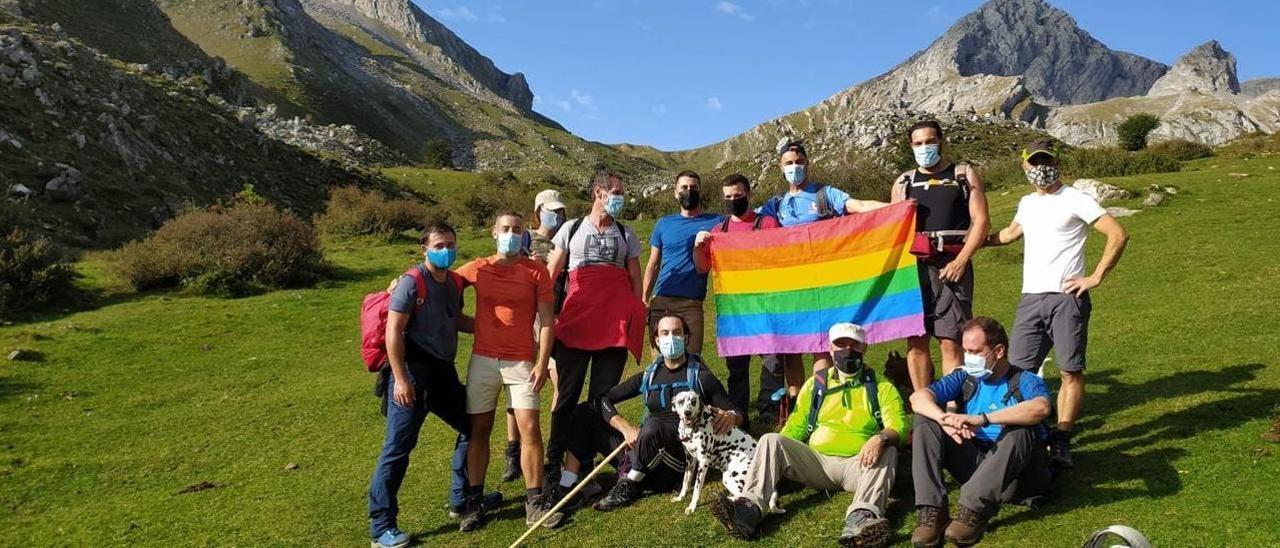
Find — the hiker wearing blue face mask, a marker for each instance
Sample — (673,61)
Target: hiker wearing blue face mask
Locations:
(994,444)
(951,224)
(806,201)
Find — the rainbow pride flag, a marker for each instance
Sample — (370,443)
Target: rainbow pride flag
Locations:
(778,291)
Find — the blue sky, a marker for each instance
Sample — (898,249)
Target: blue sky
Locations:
(679,74)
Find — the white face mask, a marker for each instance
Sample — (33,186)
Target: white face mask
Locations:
(508,243)
(671,346)
(975,365)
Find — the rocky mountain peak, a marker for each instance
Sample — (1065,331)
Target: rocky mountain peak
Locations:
(1060,62)
(1207,68)
(414,23)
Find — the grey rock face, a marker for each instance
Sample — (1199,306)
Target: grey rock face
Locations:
(1259,86)
(1208,69)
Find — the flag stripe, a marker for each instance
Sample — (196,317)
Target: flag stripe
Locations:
(896,328)
(834,228)
(863,312)
(834,247)
(802,300)
(790,278)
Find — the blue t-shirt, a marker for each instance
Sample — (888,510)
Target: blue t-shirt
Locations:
(991,396)
(433,327)
(802,207)
(673,236)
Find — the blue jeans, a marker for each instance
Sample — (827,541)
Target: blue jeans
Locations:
(438,391)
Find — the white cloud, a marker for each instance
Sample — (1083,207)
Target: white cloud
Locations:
(729,8)
(713,103)
(583,99)
(460,13)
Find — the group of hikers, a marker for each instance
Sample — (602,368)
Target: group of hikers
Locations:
(565,303)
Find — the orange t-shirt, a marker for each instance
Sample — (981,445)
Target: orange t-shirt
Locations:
(507,300)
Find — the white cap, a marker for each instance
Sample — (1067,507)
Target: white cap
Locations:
(548,200)
(847,331)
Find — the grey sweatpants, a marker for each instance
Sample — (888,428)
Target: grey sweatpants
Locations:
(778,457)
(1016,467)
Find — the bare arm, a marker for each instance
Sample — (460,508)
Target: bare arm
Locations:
(557,262)
(862,206)
(546,338)
(1026,413)
(701,252)
(1117,239)
(465,323)
(979,218)
(1006,236)
(633,270)
(898,191)
(924,403)
(396,322)
(650,273)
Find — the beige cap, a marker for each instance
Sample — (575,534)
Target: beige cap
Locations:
(548,200)
(847,331)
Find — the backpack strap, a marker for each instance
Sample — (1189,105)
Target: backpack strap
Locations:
(967,390)
(420,282)
(756,225)
(904,180)
(817,395)
(724,227)
(962,179)
(692,370)
(573,231)
(1015,386)
(824,208)
(873,396)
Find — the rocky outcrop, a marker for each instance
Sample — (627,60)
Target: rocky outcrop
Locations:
(457,59)
(1207,69)
(1259,86)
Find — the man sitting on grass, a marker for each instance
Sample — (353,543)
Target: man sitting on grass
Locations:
(834,441)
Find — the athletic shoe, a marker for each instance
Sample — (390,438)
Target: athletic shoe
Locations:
(1060,448)
(512,469)
(624,493)
(559,492)
(739,516)
(967,528)
(391,538)
(538,507)
(473,516)
(490,501)
(930,522)
(864,528)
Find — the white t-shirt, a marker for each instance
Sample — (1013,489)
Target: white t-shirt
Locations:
(1054,227)
(591,246)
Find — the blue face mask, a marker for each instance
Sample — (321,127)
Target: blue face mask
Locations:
(794,174)
(927,155)
(549,219)
(975,365)
(613,204)
(442,258)
(508,243)
(671,346)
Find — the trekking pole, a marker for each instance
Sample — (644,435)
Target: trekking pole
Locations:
(582,483)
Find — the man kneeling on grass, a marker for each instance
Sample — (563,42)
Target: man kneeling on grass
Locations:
(842,437)
(994,444)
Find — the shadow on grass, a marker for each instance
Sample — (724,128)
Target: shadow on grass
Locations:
(9,388)
(1128,454)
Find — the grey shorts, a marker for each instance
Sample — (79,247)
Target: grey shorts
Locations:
(947,305)
(1050,320)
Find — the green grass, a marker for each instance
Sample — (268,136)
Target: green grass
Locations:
(150,394)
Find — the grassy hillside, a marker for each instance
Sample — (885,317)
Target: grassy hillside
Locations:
(149,395)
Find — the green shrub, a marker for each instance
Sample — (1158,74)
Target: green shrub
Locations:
(1109,162)
(1251,145)
(355,212)
(1181,150)
(1002,173)
(437,153)
(225,251)
(33,271)
(1132,133)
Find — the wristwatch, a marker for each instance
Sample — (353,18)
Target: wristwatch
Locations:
(986,421)
(883,438)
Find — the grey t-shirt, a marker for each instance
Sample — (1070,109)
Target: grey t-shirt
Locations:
(590,246)
(434,326)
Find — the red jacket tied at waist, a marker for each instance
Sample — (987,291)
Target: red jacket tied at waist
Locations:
(601,311)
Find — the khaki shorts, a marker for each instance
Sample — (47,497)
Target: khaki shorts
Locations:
(487,376)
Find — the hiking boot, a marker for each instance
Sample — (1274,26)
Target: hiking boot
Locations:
(863,527)
(551,474)
(559,492)
(967,528)
(739,516)
(624,493)
(473,515)
(490,501)
(1060,448)
(512,469)
(540,506)
(930,522)
(391,538)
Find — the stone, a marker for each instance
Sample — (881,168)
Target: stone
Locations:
(291,466)
(30,74)
(21,191)
(1238,175)
(1207,69)
(1119,212)
(20,355)
(1100,191)
(1154,199)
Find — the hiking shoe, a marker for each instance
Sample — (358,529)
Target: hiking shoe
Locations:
(624,493)
(863,527)
(739,516)
(490,501)
(512,469)
(930,522)
(391,538)
(473,516)
(1060,448)
(551,474)
(967,528)
(559,492)
(540,506)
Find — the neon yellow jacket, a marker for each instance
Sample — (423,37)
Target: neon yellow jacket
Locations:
(845,421)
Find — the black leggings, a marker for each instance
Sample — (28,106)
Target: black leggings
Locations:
(658,452)
(571,370)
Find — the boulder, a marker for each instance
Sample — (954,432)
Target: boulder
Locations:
(1154,199)
(20,190)
(1100,191)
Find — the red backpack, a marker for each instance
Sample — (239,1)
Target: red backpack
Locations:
(373,319)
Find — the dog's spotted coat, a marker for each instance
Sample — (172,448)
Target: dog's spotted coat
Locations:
(730,452)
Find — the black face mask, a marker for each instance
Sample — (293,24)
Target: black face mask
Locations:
(737,206)
(848,362)
(690,199)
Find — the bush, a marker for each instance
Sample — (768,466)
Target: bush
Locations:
(225,251)
(355,212)
(1109,162)
(1002,173)
(33,272)
(1181,150)
(1132,133)
(437,153)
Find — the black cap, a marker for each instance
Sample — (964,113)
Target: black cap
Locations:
(790,143)
(1040,146)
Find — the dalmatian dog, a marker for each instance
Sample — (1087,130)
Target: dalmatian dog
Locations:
(730,452)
